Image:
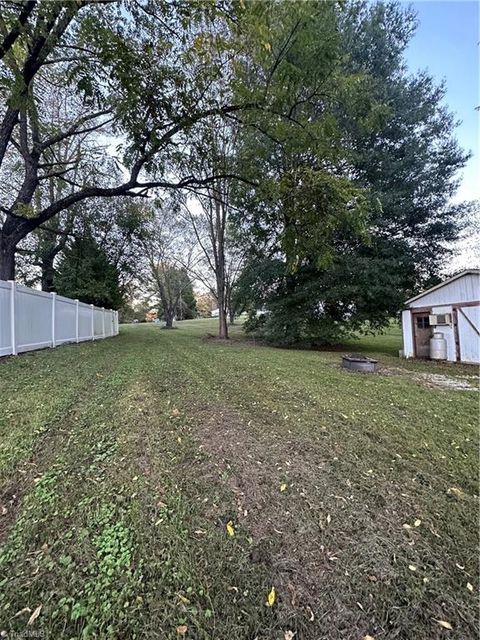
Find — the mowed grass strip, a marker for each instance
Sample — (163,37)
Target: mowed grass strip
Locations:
(353,495)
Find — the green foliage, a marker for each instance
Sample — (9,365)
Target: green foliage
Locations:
(86,273)
(353,210)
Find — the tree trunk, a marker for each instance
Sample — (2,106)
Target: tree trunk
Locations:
(7,259)
(231,316)
(169,315)
(48,274)
(222,320)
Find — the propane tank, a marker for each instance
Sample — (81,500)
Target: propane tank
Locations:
(438,347)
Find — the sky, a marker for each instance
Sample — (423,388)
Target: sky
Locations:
(447,44)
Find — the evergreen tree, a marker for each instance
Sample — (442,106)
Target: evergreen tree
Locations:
(86,273)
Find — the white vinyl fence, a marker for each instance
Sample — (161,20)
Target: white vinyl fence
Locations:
(31,319)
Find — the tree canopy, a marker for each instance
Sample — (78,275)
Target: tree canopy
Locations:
(333,184)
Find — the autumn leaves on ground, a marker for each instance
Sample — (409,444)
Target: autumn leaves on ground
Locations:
(163,485)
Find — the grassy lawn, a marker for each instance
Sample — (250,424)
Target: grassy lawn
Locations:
(123,461)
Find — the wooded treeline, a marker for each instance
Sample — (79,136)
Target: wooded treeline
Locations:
(279,155)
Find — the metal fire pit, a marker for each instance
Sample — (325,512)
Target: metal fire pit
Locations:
(357,362)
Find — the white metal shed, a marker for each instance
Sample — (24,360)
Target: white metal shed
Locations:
(452,308)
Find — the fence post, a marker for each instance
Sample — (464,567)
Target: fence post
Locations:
(76,320)
(13,333)
(54,342)
(103,322)
(92,323)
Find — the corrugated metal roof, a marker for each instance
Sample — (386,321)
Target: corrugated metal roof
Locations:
(442,284)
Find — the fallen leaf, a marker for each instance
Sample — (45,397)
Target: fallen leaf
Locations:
(312,617)
(179,439)
(230,529)
(417,523)
(283,486)
(175,412)
(35,615)
(412,567)
(183,599)
(455,491)
(289,635)
(406,526)
(271,597)
(182,629)
(329,519)
(367,637)
(24,610)
(469,586)
(444,624)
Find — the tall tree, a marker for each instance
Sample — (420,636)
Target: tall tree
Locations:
(208,213)
(143,72)
(86,273)
(166,262)
(388,146)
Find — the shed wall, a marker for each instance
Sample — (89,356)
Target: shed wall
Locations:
(464,289)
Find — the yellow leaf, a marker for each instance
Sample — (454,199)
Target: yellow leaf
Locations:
(417,523)
(182,629)
(283,486)
(271,597)
(289,635)
(35,614)
(367,637)
(230,529)
(412,567)
(179,439)
(469,586)
(455,491)
(444,624)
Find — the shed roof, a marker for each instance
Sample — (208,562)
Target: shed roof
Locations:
(445,282)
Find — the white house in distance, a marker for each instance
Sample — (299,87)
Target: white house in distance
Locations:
(451,308)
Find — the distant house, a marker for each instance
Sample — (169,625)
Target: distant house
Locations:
(451,308)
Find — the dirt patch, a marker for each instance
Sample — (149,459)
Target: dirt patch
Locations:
(439,381)
(312,527)
(433,380)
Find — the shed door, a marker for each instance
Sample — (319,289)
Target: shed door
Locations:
(422,332)
(469,333)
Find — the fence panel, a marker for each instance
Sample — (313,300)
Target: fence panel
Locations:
(65,320)
(5,318)
(98,323)
(31,319)
(84,321)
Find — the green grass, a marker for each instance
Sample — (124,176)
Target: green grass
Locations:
(122,462)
